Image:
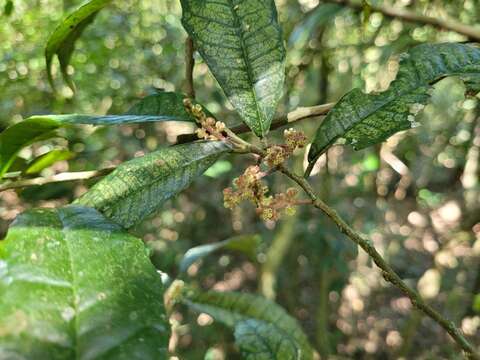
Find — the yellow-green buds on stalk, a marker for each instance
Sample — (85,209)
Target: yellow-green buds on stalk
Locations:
(210,129)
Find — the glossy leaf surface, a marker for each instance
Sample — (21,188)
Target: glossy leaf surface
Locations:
(73,285)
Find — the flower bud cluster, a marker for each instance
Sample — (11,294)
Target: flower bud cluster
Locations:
(209,129)
(277,154)
(249,187)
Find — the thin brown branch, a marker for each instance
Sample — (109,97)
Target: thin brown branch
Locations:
(295,115)
(283,120)
(62,177)
(395,13)
(388,273)
(189,65)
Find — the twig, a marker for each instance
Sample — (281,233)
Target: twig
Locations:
(446,24)
(295,115)
(62,177)
(283,120)
(388,273)
(189,65)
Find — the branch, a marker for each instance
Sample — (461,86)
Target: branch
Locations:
(388,273)
(189,65)
(391,12)
(283,120)
(295,115)
(62,177)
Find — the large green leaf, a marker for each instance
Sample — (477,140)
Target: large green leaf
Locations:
(73,285)
(139,187)
(263,329)
(164,106)
(62,41)
(241,41)
(367,119)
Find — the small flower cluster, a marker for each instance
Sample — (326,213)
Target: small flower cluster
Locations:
(277,154)
(249,186)
(210,129)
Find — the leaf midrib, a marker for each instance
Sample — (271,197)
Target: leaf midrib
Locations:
(239,32)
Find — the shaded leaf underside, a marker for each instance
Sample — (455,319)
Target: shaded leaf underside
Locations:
(366,119)
(241,41)
(74,286)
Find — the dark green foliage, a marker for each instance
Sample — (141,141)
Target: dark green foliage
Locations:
(366,119)
(241,41)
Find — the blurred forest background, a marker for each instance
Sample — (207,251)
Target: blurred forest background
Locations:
(417,195)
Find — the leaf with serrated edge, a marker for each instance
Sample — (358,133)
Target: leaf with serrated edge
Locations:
(234,309)
(62,41)
(73,285)
(366,119)
(139,187)
(241,41)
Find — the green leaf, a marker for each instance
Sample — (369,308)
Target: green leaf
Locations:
(241,41)
(366,119)
(48,159)
(75,286)
(244,243)
(62,41)
(139,187)
(22,134)
(164,106)
(8,8)
(279,335)
(259,340)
